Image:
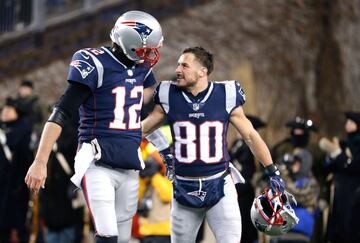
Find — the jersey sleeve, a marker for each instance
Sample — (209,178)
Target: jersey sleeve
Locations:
(149,79)
(161,95)
(235,95)
(86,69)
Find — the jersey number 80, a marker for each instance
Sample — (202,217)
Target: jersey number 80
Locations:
(198,142)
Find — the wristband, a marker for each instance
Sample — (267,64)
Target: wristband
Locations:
(272,170)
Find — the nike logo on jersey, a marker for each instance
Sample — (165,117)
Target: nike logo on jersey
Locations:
(196,115)
(83,67)
(84,55)
(199,194)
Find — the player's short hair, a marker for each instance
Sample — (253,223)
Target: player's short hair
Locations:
(203,56)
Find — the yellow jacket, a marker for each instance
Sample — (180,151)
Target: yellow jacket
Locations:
(158,220)
(159,189)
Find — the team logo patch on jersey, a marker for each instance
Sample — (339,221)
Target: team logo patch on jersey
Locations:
(199,194)
(83,67)
(141,28)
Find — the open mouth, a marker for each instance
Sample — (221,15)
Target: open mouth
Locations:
(179,77)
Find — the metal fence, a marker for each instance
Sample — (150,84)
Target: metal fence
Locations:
(21,15)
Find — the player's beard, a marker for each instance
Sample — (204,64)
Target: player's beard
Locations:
(185,82)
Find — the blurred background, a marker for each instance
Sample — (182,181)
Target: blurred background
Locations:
(294,58)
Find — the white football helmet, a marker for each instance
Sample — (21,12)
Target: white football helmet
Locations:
(139,35)
(273,214)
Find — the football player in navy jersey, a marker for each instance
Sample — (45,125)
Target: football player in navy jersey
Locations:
(107,85)
(199,111)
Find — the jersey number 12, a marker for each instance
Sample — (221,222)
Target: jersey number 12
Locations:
(133,121)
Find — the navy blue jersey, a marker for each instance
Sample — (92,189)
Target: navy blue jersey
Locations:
(113,110)
(199,125)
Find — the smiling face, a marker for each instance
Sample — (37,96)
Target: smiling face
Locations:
(189,71)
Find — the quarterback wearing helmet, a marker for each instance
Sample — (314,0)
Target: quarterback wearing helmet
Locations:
(107,85)
(139,36)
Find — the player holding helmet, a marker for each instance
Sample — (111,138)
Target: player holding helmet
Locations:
(108,84)
(199,112)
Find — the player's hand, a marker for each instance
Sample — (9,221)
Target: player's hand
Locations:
(168,159)
(36,176)
(276,182)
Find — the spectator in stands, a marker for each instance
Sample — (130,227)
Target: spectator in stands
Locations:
(301,183)
(343,160)
(15,158)
(30,103)
(244,161)
(300,131)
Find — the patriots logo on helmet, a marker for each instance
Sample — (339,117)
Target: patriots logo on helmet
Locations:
(141,28)
(199,194)
(83,67)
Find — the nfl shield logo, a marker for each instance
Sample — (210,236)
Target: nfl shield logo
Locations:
(196,107)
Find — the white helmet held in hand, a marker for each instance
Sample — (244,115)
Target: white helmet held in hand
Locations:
(273,214)
(139,35)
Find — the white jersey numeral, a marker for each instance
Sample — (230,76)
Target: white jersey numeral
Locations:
(119,121)
(207,145)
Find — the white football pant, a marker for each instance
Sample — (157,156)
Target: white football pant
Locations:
(224,218)
(112,197)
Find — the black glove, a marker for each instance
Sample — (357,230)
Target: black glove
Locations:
(276,182)
(168,159)
(151,168)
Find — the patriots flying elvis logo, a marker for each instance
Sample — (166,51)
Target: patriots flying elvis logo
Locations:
(141,28)
(83,67)
(199,194)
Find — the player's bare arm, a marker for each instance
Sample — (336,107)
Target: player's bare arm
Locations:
(72,98)
(37,173)
(251,136)
(148,93)
(153,121)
